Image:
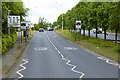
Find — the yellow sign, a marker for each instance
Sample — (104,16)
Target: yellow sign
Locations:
(29,28)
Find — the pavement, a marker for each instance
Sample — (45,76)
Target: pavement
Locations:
(51,56)
(8,60)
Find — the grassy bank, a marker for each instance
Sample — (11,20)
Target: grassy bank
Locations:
(106,48)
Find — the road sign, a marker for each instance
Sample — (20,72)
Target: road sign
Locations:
(18,29)
(28,23)
(23,25)
(78,24)
(30,28)
(14,21)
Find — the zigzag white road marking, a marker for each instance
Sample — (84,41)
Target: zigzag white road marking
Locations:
(68,61)
(23,68)
(108,61)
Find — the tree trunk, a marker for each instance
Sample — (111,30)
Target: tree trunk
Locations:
(96,33)
(116,36)
(105,34)
(69,29)
(89,32)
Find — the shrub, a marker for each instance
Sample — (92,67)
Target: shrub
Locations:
(14,38)
(4,45)
(8,41)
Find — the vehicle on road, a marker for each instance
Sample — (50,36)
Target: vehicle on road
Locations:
(99,31)
(41,30)
(50,29)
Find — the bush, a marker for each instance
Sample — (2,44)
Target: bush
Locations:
(4,45)
(8,41)
(14,38)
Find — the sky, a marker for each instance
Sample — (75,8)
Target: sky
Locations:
(49,9)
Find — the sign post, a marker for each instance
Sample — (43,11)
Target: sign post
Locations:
(78,26)
(23,27)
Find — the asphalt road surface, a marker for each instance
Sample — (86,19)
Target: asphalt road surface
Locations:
(51,56)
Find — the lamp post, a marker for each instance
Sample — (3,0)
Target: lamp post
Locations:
(62,16)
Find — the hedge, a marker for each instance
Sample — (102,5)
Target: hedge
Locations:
(8,42)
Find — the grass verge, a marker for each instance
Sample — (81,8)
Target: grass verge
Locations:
(106,48)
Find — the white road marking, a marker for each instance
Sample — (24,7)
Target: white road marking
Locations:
(54,36)
(109,61)
(68,61)
(70,48)
(23,68)
(41,49)
(40,36)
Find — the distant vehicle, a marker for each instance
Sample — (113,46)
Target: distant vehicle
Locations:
(99,31)
(50,29)
(41,30)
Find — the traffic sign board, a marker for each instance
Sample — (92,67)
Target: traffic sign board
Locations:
(18,29)
(23,25)
(78,24)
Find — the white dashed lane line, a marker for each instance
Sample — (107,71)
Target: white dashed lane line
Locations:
(68,61)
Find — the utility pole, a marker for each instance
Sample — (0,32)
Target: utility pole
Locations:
(8,24)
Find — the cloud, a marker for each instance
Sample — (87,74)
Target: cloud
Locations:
(49,9)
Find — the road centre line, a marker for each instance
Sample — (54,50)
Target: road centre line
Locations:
(68,61)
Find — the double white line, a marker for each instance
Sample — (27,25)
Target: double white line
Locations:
(68,61)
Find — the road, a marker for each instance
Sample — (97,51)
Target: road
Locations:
(110,36)
(51,56)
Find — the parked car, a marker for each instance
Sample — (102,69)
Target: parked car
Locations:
(50,29)
(41,30)
(99,31)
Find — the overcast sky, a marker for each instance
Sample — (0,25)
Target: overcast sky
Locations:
(49,9)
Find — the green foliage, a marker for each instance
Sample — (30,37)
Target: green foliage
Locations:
(8,41)
(93,14)
(14,8)
(4,45)
(42,24)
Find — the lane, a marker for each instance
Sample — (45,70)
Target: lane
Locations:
(85,61)
(44,61)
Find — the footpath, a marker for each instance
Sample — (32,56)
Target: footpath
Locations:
(12,56)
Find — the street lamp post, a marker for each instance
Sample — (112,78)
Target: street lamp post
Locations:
(62,16)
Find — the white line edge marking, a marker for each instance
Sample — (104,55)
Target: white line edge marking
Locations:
(23,68)
(108,61)
(68,61)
